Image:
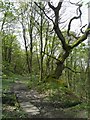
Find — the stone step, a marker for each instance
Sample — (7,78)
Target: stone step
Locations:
(29,108)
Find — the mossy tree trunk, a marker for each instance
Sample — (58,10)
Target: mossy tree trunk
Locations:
(60,64)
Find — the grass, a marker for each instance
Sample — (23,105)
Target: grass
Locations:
(8,81)
(10,108)
(6,84)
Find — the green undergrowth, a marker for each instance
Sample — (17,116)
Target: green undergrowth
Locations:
(10,106)
(56,93)
(63,96)
(78,111)
(8,81)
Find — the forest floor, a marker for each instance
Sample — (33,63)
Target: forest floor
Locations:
(35,104)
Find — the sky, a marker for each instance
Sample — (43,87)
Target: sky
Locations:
(85,1)
(70,11)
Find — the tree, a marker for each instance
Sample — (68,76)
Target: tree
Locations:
(11,55)
(67,48)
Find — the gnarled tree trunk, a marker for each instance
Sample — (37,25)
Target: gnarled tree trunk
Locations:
(60,64)
(67,48)
(58,70)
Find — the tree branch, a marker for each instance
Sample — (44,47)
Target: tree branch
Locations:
(56,25)
(4,19)
(71,69)
(82,38)
(51,6)
(74,36)
(82,29)
(51,56)
(56,11)
(75,17)
(44,12)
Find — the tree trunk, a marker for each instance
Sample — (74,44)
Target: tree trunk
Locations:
(60,64)
(9,54)
(10,51)
(48,66)
(26,49)
(52,52)
(31,47)
(59,69)
(30,27)
(41,48)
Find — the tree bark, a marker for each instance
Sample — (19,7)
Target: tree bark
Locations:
(60,64)
(59,69)
(41,48)
(31,41)
(10,51)
(27,57)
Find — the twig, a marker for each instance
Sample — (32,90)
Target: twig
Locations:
(75,17)
(82,28)
(51,56)
(44,12)
(71,69)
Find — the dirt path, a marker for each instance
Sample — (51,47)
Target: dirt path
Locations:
(34,104)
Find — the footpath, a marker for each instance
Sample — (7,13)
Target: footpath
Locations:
(34,104)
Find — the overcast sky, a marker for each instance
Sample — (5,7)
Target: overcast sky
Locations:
(70,12)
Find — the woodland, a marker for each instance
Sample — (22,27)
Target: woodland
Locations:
(45,61)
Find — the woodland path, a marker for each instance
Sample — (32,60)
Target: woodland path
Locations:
(35,106)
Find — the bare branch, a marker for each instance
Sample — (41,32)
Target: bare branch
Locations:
(4,19)
(56,11)
(82,29)
(78,3)
(56,24)
(71,69)
(51,6)
(51,56)
(75,17)
(74,36)
(44,12)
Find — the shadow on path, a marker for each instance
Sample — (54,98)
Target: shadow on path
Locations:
(36,106)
